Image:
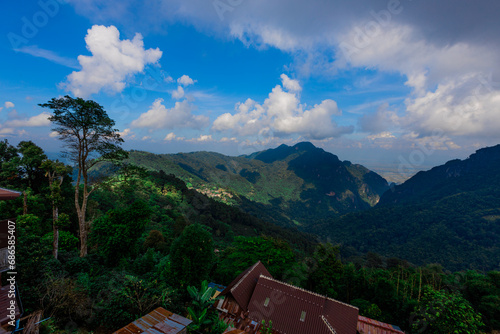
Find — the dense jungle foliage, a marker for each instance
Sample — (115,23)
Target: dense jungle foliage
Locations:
(151,238)
(448,215)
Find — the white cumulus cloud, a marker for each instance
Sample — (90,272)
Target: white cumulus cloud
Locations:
(34,121)
(9,104)
(185,81)
(127,133)
(227,140)
(178,93)
(465,106)
(7,131)
(282,114)
(290,84)
(112,62)
(202,138)
(160,117)
(170,136)
(382,135)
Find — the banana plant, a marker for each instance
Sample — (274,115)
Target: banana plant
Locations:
(200,320)
(202,300)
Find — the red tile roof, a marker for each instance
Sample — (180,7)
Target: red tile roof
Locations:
(159,321)
(370,326)
(6,194)
(287,304)
(241,288)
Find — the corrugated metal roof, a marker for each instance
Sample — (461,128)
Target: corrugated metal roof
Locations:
(6,194)
(370,326)
(216,286)
(158,321)
(243,286)
(287,304)
(233,331)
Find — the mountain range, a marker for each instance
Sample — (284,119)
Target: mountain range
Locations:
(448,215)
(289,185)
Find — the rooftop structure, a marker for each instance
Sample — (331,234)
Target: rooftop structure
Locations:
(158,321)
(254,296)
(370,326)
(6,194)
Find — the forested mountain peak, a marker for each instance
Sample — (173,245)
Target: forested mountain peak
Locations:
(448,215)
(284,151)
(478,171)
(301,182)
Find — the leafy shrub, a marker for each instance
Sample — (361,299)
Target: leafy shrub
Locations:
(67,241)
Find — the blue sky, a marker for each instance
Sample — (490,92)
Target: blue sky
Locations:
(390,84)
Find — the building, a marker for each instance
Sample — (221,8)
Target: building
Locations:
(237,295)
(6,194)
(158,321)
(217,287)
(233,331)
(254,296)
(370,326)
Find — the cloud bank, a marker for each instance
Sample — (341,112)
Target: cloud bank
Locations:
(282,115)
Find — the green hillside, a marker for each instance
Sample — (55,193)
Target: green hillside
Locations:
(287,185)
(448,215)
(151,237)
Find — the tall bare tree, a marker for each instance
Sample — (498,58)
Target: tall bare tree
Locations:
(89,138)
(55,172)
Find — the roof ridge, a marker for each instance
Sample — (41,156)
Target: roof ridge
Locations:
(244,276)
(330,327)
(307,291)
(11,191)
(14,191)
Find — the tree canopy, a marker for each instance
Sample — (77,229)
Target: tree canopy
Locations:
(191,256)
(89,137)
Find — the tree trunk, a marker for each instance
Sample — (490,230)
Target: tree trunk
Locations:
(83,231)
(55,243)
(420,285)
(84,226)
(25,203)
(81,221)
(83,240)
